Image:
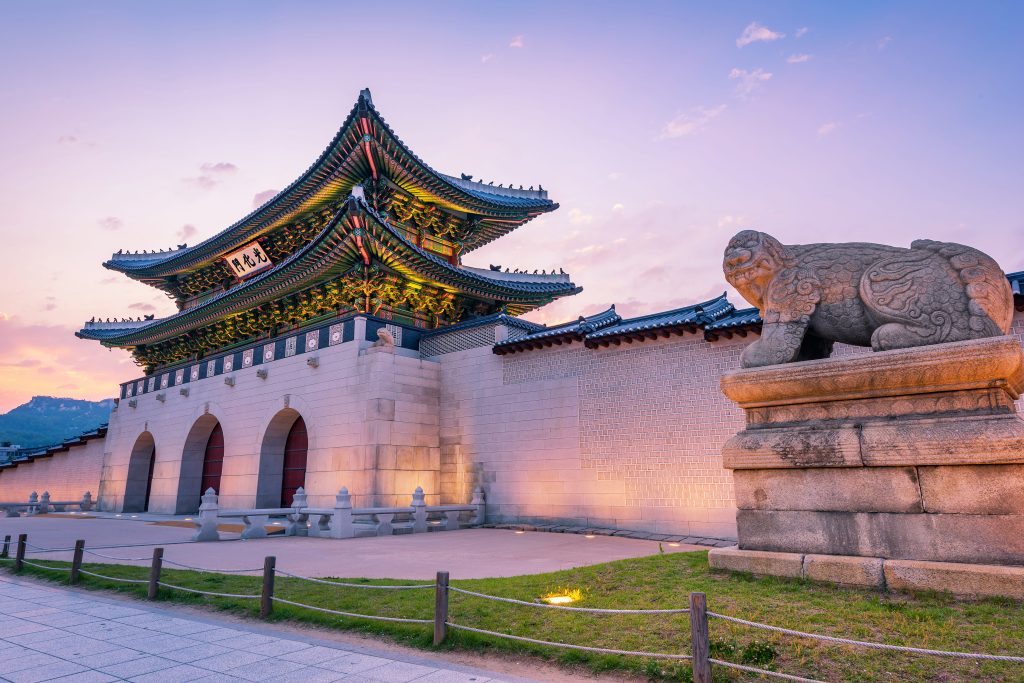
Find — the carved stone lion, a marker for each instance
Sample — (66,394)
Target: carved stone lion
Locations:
(813,295)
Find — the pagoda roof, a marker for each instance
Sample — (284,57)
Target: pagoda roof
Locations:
(336,250)
(690,316)
(576,330)
(364,146)
(48,451)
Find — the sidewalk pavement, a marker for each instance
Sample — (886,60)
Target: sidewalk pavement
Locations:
(56,634)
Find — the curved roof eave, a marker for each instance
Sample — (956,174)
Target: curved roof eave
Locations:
(167,263)
(524,292)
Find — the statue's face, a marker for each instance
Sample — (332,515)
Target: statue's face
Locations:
(749,266)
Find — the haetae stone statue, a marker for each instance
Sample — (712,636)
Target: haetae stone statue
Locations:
(813,295)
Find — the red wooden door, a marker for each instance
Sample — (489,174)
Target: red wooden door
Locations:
(294,462)
(213,460)
(149,479)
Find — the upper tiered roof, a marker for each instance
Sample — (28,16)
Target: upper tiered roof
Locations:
(365,148)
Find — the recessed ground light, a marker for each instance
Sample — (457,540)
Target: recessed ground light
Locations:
(520,532)
(134,516)
(188,519)
(589,536)
(563,597)
(673,545)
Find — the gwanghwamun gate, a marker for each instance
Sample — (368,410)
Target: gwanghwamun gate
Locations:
(333,338)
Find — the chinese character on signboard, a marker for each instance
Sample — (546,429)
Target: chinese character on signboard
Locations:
(248,260)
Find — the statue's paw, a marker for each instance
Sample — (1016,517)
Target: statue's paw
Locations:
(758,355)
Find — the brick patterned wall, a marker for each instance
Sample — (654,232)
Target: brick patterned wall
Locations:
(66,475)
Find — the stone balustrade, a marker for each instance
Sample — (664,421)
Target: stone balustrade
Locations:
(38,505)
(342,520)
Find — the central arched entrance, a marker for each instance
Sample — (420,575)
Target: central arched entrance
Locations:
(202,463)
(139,482)
(213,461)
(283,456)
(294,470)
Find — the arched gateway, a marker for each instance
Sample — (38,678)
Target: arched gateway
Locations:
(282,459)
(202,462)
(139,482)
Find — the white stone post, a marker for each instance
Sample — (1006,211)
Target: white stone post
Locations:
(33,504)
(44,503)
(341,520)
(479,503)
(208,518)
(297,517)
(419,511)
(86,502)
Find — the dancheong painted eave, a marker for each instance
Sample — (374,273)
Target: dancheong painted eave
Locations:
(365,147)
(355,238)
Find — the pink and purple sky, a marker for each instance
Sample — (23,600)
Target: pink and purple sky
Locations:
(661,129)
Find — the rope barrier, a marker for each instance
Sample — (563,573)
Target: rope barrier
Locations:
(875,646)
(201,569)
(112,578)
(765,672)
(211,593)
(351,614)
(341,584)
(593,610)
(603,650)
(43,566)
(40,549)
(111,557)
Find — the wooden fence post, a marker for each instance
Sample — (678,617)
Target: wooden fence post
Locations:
(441,608)
(76,561)
(267,592)
(7,546)
(699,642)
(154,573)
(19,556)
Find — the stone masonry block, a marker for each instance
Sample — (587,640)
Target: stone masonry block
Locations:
(757,562)
(845,570)
(856,489)
(959,579)
(974,489)
(988,539)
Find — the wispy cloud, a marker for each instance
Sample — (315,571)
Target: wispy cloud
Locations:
(111,223)
(516,42)
(67,140)
(884,42)
(486,58)
(187,231)
(579,217)
(798,58)
(749,81)
(219,167)
(211,174)
(615,175)
(801,32)
(756,33)
(142,306)
(261,198)
(51,303)
(690,122)
(826,128)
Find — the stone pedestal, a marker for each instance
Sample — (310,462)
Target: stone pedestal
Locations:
(850,468)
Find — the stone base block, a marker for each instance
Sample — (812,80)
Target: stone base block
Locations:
(981,580)
(844,570)
(757,562)
(970,580)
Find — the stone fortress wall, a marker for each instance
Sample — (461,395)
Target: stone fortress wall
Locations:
(626,437)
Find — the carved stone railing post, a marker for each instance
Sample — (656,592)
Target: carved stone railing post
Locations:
(33,504)
(298,519)
(86,502)
(44,503)
(480,505)
(208,518)
(341,520)
(419,511)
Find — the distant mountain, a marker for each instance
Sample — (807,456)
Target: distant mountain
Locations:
(46,420)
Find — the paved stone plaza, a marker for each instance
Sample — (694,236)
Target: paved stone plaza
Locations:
(53,634)
(466,554)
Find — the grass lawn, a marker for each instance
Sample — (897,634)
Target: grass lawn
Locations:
(660,581)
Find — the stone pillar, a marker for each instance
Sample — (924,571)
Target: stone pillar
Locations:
(902,468)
